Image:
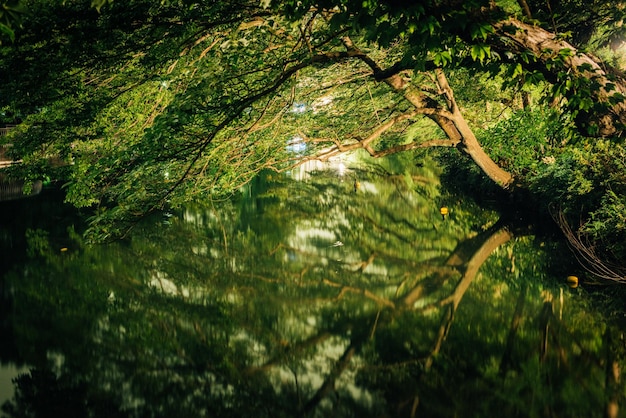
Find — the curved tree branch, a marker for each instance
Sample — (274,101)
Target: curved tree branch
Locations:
(451,121)
(586,254)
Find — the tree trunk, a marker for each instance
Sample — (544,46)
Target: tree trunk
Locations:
(545,46)
(469,142)
(450,120)
(453,124)
(525,8)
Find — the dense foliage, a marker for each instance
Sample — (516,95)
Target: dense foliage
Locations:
(141,105)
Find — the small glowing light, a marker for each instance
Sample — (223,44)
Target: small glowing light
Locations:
(298,108)
(296,144)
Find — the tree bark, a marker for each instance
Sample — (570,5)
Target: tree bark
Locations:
(545,46)
(450,120)
(469,142)
(524,5)
(457,130)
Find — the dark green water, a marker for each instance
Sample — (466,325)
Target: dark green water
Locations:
(302,298)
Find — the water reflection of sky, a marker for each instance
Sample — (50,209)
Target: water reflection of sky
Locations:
(296,145)
(8,372)
(339,165)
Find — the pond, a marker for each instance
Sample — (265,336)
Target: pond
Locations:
(342,293)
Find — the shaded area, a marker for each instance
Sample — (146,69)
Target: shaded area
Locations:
(310,298)
(11,190)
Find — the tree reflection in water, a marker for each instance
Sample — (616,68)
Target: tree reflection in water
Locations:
(308,298)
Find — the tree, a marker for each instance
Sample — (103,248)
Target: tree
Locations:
(149,112)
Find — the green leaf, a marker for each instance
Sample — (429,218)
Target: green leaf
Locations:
(97,4)
(566,52)
(535,77)
(585,67)
(7,31)
(480,52)
(527,57)
(585,104)
(442,58)
(481,31)
(616,98)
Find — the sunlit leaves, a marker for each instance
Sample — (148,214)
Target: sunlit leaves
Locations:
(442,58)
(521,141)
(517,70)
(207,102)
(590,177)
(480,52)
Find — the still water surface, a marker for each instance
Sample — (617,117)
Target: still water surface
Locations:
(344,293)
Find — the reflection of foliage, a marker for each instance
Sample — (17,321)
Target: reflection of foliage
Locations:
(41,394)
(311,297)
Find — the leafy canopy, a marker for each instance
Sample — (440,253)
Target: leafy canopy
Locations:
(149,104)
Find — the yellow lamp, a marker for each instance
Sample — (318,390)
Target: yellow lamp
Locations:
(444,211)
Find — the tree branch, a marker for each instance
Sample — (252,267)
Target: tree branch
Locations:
(586,254)
(545,45)
(329,383)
